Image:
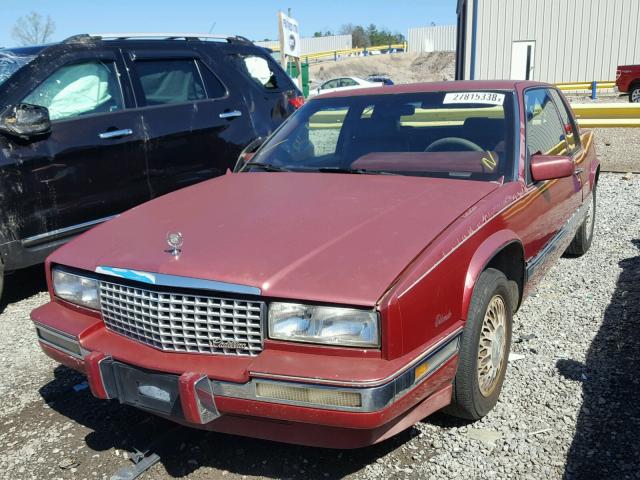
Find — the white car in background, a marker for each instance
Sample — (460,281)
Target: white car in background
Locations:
(343,83)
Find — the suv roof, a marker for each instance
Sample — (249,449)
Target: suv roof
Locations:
(87,37)
(161,36)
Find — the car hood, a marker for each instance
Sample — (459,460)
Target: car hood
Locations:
(309,236)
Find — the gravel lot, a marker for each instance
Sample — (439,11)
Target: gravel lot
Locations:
(569,408)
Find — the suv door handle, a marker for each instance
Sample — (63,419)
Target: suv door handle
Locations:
(231,114)
(116,133)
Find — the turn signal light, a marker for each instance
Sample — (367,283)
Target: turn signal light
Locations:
(309,395)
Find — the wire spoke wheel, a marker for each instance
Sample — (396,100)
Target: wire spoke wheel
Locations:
(492,345)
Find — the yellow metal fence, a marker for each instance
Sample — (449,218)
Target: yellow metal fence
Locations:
(349,51)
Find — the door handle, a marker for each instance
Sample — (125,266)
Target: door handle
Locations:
(578,170)
(116,134)
(231,114)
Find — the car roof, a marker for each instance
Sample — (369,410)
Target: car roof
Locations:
(451,86)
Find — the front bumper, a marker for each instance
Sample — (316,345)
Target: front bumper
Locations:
(270,408)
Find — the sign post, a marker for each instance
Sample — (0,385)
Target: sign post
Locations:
(290,43)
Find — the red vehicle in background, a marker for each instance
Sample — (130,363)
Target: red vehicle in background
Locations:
(628,81)
(357,273)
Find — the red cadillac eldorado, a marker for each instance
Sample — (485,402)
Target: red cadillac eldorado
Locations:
(358,272)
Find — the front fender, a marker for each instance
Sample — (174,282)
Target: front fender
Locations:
(481,258)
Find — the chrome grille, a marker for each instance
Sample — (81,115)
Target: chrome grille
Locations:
(176,322)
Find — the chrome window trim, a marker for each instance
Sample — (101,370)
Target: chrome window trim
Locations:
(165,280)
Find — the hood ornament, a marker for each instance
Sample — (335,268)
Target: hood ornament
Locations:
(175,241)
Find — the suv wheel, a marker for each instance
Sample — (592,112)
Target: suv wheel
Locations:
(484,352)
(634,94)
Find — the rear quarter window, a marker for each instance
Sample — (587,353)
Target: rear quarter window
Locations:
(263,71)
(170,81)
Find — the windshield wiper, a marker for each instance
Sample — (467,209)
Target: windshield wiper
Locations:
(358,171)
(267,166)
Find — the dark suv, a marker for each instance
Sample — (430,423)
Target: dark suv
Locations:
(97,124)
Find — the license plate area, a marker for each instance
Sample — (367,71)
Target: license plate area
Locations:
(151,391)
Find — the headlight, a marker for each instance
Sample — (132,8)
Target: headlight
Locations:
(328,325)
(76,289)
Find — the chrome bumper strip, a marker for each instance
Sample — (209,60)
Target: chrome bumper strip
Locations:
(373,398)
(367,384)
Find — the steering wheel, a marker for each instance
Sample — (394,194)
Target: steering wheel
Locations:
(454,141)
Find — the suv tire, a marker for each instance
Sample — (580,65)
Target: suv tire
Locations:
(485,346)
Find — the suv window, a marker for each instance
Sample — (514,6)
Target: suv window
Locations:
(76,89)
(572,136)
(259,70)
(545,132)
(170,81)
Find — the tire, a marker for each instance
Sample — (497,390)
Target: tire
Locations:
(634,94)
(472,399)
(584,236)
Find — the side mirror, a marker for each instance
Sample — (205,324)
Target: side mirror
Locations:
(25,121)
(548,167)
(247,153)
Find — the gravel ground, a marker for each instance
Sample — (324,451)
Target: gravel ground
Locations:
(569,408)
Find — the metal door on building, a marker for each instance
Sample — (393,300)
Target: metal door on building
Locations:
(522,58)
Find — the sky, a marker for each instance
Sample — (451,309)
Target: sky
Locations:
(253,19)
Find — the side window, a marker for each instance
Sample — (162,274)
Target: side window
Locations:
(572,136)
(170,81)
(348,82)
(82,88)
(330,84)
(545,132)
(259,69)
(215,88)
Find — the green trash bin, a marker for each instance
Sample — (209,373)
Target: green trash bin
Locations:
(292,70)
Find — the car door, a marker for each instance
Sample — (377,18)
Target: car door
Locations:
(91,166)
(266,88)
(550,203)
(195,126)
(574,142)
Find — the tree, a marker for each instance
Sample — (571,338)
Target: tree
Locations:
(33,29)
(359,37)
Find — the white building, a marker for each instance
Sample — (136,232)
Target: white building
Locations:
(547,40)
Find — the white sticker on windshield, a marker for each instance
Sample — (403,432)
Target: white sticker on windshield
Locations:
(486,98)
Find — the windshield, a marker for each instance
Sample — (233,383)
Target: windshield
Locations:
(10,62)
(444,134)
